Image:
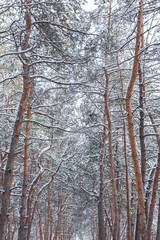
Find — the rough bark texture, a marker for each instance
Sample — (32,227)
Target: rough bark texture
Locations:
(131,131)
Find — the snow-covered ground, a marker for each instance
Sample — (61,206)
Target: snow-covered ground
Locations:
(85,237)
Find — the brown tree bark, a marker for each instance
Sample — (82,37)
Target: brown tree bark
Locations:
(127,186)
(108,119)
(153,200)
(2,158)
(126,161)
(152,173)
(148,190)
(22,229)
(8,176)
(28,223)
(30,208)
(141,136)
(15,225)
(158,223)
(40,225)
(155,184)
(138,175)
(141,129)
(134,206)
(59,228)
(50,215)
(30,199)
(112,171)
(101,224)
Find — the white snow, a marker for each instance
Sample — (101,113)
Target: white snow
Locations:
(89,6)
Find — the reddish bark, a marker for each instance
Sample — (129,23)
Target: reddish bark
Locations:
(153,200)
(59,228)
(142,142)
(22,229)
(126,162)
(141,129)
(30,211)
(28,223)
(158,223)
(15,225)
(108,118)
(134,206)
(112,171)
(155,184)
(8,176)
(101,224)
(3,159)
(148,190)
(142,220)
(40,226)
(127,186)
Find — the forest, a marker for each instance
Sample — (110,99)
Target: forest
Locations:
(79,120)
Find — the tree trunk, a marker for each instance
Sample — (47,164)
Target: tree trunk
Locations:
(22,229)
(8,176)
(126,160)
(101,188)
(141,129)
(158,223)
(148,190)
(153,200)
(112,171)
(155,187)
(134,206)
(127,186)
(131,131)
(142,142)
(107,116)
(40,225)
(101,218)
(138,230)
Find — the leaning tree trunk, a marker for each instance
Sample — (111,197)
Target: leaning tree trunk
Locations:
(138,175)
(8,175)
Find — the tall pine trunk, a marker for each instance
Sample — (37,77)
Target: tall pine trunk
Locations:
(138,175)
(101,225)
(22,228)
(8,175)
